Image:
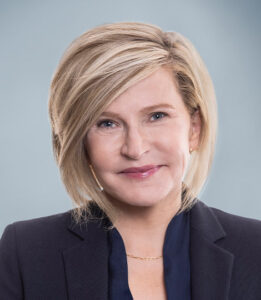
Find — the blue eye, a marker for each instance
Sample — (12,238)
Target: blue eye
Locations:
(106,122)
(159,113)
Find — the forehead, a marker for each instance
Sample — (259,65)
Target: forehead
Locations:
(156,89)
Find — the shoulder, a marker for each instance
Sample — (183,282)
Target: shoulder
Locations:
(31,251)
(241,232)
(37,230)
(236,223)
(57,221)
(226,228)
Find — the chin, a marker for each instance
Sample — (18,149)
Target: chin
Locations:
(140,200)
(142,203)
(141,196)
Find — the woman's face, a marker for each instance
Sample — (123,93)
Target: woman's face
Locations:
(148,124)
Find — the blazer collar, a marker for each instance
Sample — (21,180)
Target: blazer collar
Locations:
(211,266)
(86,262)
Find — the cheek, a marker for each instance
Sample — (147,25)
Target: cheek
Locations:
(99,149)
(173,145)
(173,141)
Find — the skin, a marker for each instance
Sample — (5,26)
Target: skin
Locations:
(159,136)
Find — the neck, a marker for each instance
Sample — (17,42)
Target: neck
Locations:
(143,228)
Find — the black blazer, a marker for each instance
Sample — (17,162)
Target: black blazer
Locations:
(49,258)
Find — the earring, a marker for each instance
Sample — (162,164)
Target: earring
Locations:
(190,150)
(96,179)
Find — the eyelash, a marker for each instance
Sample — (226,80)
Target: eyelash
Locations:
(107,120)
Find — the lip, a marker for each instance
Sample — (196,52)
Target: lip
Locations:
(139,169)
(141,174)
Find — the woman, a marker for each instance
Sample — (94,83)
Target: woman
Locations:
(133,117)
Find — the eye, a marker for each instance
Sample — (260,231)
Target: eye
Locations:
(106,124)
(159,115)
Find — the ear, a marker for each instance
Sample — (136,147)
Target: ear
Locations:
(195,129)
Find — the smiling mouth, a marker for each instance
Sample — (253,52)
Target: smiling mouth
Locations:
(139,169)
(142,174)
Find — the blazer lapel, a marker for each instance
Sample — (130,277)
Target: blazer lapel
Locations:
(211,265)
(86,263)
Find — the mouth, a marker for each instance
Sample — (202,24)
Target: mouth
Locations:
(141,173)
(140,169)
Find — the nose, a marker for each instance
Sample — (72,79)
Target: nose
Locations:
(134,145)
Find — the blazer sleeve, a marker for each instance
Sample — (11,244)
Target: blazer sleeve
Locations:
(11,286)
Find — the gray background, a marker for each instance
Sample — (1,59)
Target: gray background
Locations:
(34,34)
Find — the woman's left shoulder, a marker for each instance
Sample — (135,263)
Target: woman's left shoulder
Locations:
(239,227)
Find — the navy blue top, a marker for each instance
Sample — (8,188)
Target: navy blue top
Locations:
(176,261)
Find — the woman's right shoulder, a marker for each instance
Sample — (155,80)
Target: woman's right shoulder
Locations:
(37,228)
(30,249)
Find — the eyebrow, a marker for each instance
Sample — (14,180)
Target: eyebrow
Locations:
(143,110)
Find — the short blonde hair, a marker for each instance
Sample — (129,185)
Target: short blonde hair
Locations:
(95,69)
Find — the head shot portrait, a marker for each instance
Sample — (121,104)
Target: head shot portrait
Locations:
(160,98)
(133,119)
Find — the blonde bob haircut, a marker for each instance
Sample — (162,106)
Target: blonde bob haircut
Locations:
(96,68)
